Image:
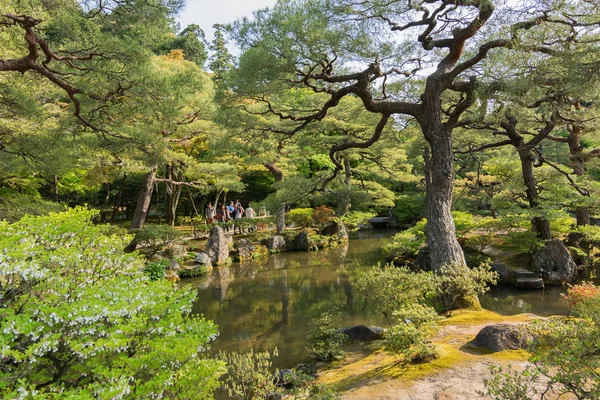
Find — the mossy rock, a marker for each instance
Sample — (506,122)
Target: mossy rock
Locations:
(193,271)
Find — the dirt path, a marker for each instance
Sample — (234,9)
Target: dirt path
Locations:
(457,375)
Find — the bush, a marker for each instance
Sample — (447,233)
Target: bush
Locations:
(353,220)
(155,237)
(249,375)
(410,336)
(301,216)
(390,288)
(156,270)
(408,242)
(459,285)
(523,242)
(325,339)
(95,325)
(409,208)
(579,293)
(322,215)
(564,359)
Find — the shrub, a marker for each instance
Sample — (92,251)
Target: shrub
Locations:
(322,215)
(301,216)
(409,208)
(463,223)
(96,326)
(325,339)
(564,359)
(156,270)
(353,220)
(523,242)
(408,242)
(390,288)
(579,293)
(410,336)
(249,375)
(155,237)
(460,285)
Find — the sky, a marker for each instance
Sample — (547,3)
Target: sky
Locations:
(206,13)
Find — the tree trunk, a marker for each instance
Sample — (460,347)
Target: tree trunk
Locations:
(441,238)
(56,196)
(144,199)
(173,195)
(280,215)
(582,214)
(540,225)
(118,198)
(347,202)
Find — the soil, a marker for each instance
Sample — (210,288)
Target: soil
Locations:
(457,375)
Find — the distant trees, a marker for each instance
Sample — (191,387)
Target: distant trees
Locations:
(416,61)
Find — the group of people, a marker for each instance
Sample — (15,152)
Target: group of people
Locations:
(224,213)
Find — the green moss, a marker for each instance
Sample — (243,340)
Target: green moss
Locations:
(474,316)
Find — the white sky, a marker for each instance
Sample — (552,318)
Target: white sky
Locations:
(206,13)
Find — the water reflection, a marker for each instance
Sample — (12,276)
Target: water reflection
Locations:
(269,303)
(261,304)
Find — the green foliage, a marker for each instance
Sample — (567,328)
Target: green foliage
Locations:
(409,208)
(322,215)
(464,222)
(408,300)
(410,336)
(156,270)
(408,242)
(96,326)
(523,242)
(389,289)
(354,219)
(457,282)
(14,206)
(325,339)
(249,375)
(564,357)
(301,216)
(155,237)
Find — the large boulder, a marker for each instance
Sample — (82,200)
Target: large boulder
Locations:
(173,265)
(505,273)
(363,332)
(337,230)
(499,337)
(203,259)
(217,247)
(245,251)
(275,243)
(303,241)
(176,251)
(554,264)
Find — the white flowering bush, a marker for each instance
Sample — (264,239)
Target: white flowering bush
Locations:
(80,319)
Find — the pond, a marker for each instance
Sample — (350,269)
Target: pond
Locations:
(270,303)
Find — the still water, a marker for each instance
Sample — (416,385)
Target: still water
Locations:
(270,303)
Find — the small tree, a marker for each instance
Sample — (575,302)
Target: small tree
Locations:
(81,320)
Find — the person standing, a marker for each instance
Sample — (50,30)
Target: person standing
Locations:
(239,211)
(250,212)
(210,213)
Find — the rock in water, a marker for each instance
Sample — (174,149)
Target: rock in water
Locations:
(363,332)
(501,337)
(555,264)
(173,265)
(505,274)
(303,242)
(275,243)
(527,280)
(337,230)
(217,247)
(203,259)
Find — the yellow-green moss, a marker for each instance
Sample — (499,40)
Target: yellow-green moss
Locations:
(472,317)
(510,355)
(383,366)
